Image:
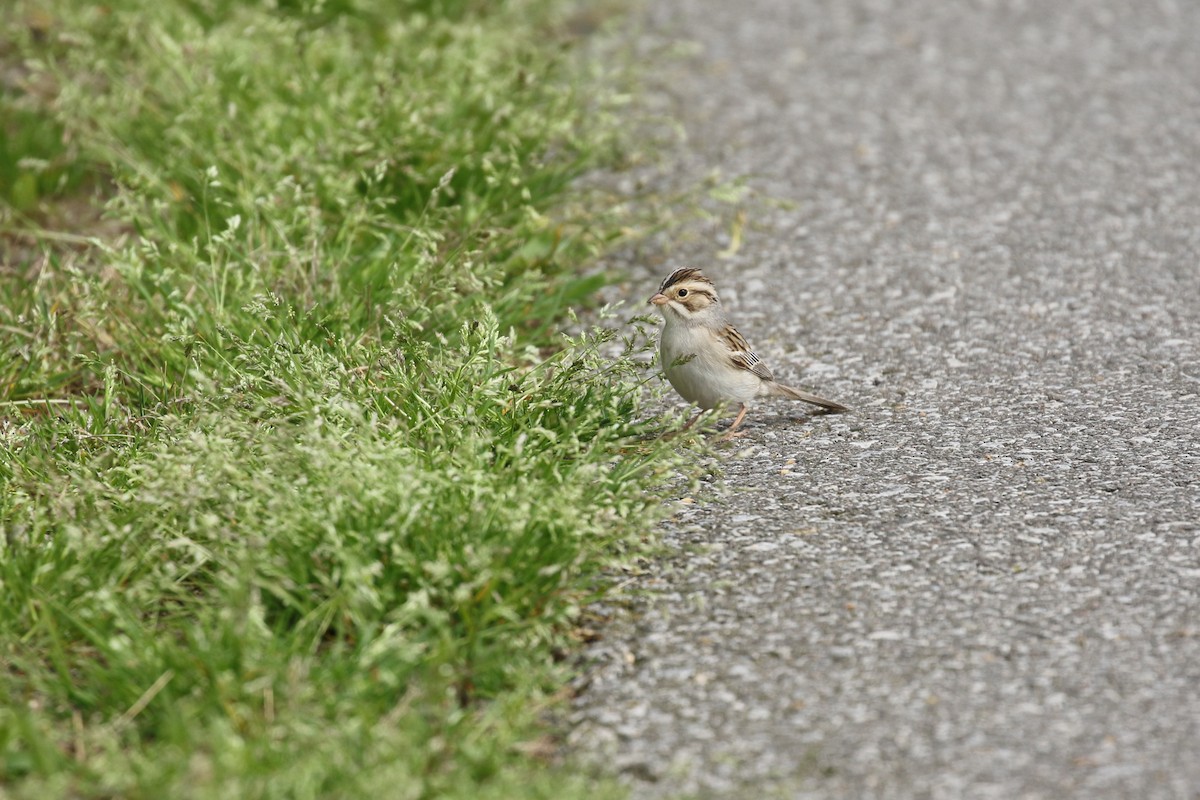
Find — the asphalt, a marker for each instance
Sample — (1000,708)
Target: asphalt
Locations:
(978,224)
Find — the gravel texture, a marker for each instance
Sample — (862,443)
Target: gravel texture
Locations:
(984,582)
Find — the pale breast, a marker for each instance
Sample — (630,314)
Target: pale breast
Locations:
(708,378)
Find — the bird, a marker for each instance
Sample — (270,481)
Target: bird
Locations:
(704,357)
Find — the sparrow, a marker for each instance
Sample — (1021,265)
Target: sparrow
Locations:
(704,357)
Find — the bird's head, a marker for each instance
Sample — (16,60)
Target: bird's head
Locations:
(686,295)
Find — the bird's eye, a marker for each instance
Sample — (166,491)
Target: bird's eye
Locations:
(683,292)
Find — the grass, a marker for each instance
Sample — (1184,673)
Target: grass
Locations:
(301,490)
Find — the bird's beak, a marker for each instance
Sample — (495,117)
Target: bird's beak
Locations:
(659,299)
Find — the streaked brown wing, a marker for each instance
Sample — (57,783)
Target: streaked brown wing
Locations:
(742,356)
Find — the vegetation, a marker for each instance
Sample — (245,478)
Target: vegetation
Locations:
(301,490)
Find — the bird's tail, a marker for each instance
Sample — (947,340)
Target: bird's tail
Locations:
(779,390)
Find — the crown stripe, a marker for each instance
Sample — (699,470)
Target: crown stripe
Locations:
(683,274)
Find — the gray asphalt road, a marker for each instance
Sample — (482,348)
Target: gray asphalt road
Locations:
(985,582)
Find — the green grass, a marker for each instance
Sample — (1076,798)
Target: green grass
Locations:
(301,492)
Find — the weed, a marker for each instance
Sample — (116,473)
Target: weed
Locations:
(294,502)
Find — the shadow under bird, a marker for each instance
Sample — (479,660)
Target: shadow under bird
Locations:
(704,357)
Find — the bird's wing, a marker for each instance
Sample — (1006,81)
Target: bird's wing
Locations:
(742,356)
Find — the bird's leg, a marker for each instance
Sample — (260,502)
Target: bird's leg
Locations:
(738,419)
(689,424)
(729,434)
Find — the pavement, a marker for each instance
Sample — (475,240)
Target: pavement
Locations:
(978,224)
